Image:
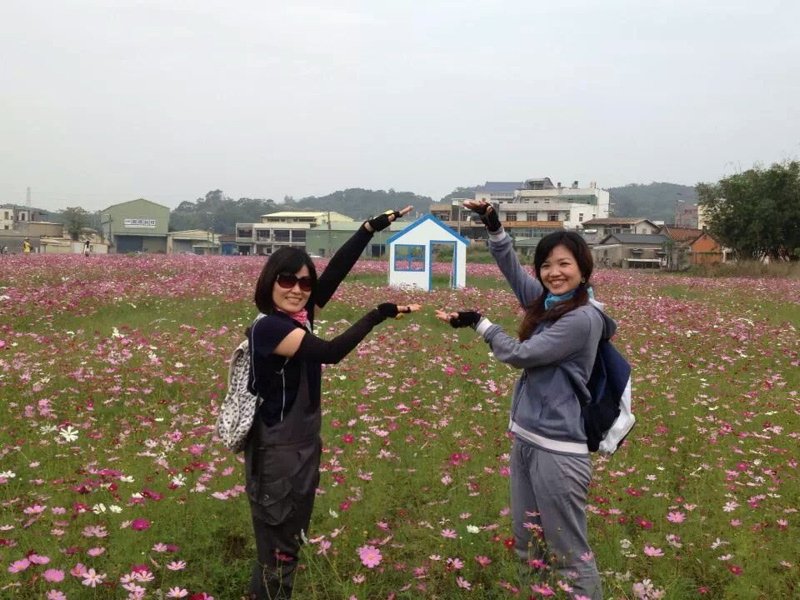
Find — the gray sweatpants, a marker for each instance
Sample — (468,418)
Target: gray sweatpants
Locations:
(548,503)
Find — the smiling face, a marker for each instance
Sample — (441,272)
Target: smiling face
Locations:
(293,299)
(560,272)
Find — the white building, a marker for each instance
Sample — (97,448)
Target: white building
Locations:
(538,201)
(284,228)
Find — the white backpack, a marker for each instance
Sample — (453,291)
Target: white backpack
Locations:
(238,408)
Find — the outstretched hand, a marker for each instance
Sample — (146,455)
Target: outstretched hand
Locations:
(466,318)
(486,212)
(395,311)
(383,220)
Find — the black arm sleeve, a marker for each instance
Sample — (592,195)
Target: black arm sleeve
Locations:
(340,266)
(314,349)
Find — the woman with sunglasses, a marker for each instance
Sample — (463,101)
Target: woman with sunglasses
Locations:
(283,450)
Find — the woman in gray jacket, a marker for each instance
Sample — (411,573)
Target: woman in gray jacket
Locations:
(555,348)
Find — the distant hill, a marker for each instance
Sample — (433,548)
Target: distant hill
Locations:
(359,203)
(654,201)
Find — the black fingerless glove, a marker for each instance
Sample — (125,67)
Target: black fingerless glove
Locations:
(381,222)
(388,310)
(489,218)
(467,318)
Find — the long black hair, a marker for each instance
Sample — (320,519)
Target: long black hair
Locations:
(283,260)
(536,313)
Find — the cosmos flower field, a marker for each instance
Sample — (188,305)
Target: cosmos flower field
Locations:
(113,486)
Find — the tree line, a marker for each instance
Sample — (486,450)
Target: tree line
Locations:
(756,213)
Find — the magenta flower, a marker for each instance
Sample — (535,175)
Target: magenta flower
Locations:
(140,524)
(370,556)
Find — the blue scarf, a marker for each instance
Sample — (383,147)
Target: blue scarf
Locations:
(551,299)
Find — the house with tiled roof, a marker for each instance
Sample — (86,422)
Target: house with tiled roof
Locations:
(631,251)
(608,225)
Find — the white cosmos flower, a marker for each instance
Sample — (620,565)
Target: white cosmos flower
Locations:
(68,433)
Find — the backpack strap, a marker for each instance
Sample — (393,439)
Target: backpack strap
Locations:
(252,355)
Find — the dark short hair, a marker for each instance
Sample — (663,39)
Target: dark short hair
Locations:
(573,242)
(283,260)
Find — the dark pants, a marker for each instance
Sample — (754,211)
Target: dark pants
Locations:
(277,548)
(281,511)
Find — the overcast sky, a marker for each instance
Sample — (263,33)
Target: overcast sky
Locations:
(107,101)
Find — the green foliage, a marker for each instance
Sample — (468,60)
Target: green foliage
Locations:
(218,213)
(655,201)
(359,203)
(757,213)
(460,192)
(75,219)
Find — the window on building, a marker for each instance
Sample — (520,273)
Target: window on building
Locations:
(244,232)
(512,216)
(281,235)
(580,217)
(552,216)
(298,235)
(409,258)
(531,216)
(262,234)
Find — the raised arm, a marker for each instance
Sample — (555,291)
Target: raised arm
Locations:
(524,285)
(344,259)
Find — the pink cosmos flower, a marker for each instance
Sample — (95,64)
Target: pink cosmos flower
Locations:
(543,589)
(97,551)
(37,559)
(449,533)
(91,578)
(56,595)
(653,551)
(19,565)
(177,565)
(463,583)
(483,561)
(53,575)
(676,517)
(370,556)
(324,545)
(177,592)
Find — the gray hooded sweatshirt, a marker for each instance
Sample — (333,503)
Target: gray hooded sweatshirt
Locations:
(556,360)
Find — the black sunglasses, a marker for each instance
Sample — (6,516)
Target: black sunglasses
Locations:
(287,281)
